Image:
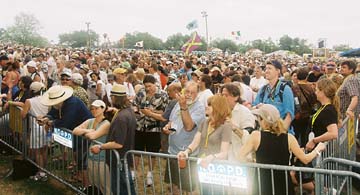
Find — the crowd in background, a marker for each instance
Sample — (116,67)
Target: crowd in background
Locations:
(206,105)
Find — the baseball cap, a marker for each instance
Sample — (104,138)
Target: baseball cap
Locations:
(98,103)
(267,112)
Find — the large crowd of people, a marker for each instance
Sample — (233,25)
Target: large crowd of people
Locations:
(253,108)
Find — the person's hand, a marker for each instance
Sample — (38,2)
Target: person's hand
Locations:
(204,162)
(3,95)
(310,145)
(320,147)
(350,114)
(146,111)
(182,100)
(42,120)
(183,154)
(95,149)
(166,129)
(111,109)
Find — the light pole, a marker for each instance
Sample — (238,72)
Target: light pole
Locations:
(88,32)
(205,15)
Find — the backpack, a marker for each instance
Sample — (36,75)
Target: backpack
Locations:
(305,102)
(281,91)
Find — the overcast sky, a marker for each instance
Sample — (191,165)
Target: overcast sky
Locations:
(337,21)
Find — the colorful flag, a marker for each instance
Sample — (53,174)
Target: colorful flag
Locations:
(192,25)
(193,43)
(236,33)
(139,44)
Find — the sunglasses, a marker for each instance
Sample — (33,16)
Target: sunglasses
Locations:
(65,79)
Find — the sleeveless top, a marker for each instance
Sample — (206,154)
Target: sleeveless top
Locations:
(102,139)
(274,149)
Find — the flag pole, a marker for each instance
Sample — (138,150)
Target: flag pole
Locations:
(205,15)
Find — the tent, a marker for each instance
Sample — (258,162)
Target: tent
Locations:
(351,53)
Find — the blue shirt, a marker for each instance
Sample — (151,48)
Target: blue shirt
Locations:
(284,107)
(73,113)
(181,139)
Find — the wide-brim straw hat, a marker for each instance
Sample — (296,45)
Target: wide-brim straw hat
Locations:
(56,95)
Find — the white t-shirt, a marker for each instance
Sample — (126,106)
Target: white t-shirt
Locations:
(247,93)
(242,117)
(204,95)
(257,83)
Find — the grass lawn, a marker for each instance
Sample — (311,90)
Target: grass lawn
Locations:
(27,186)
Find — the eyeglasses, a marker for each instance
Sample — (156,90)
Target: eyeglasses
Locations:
(65,79)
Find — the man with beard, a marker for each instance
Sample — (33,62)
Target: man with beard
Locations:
(184,121)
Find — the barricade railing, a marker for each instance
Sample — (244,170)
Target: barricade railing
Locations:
(62,155)
(344,146)
(224,177)
(338,164)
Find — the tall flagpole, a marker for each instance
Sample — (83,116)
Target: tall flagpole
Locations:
(205,15)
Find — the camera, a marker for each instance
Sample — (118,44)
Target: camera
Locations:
(144,105)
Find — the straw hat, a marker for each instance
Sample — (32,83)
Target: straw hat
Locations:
(56,95)
(118,90)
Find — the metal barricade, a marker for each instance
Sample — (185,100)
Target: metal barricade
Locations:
(224,177)
(338,164)
(344,147)
(13,130)
(62,155)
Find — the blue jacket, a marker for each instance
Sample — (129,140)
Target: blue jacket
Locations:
(73,113)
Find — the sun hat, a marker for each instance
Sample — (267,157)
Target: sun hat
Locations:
(118,90)
(98,103)
(119,71)
(36,86)
(56,95)
(267,112)
(197,73)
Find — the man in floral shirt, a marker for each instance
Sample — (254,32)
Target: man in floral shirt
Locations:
(149,101)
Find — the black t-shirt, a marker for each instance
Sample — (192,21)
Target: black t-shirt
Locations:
(21,96)
(122,131)
(326,117)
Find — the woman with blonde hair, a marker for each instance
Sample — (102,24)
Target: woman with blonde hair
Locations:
(213,137)
(272,145)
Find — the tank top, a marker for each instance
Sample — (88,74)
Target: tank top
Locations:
(274,149)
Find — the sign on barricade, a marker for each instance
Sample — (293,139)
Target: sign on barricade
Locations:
(223,174)
(15,119)
(62,137)
(351,134)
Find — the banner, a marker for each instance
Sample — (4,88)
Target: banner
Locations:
(224,174)
(15,119)
(62,137)
(193,43)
